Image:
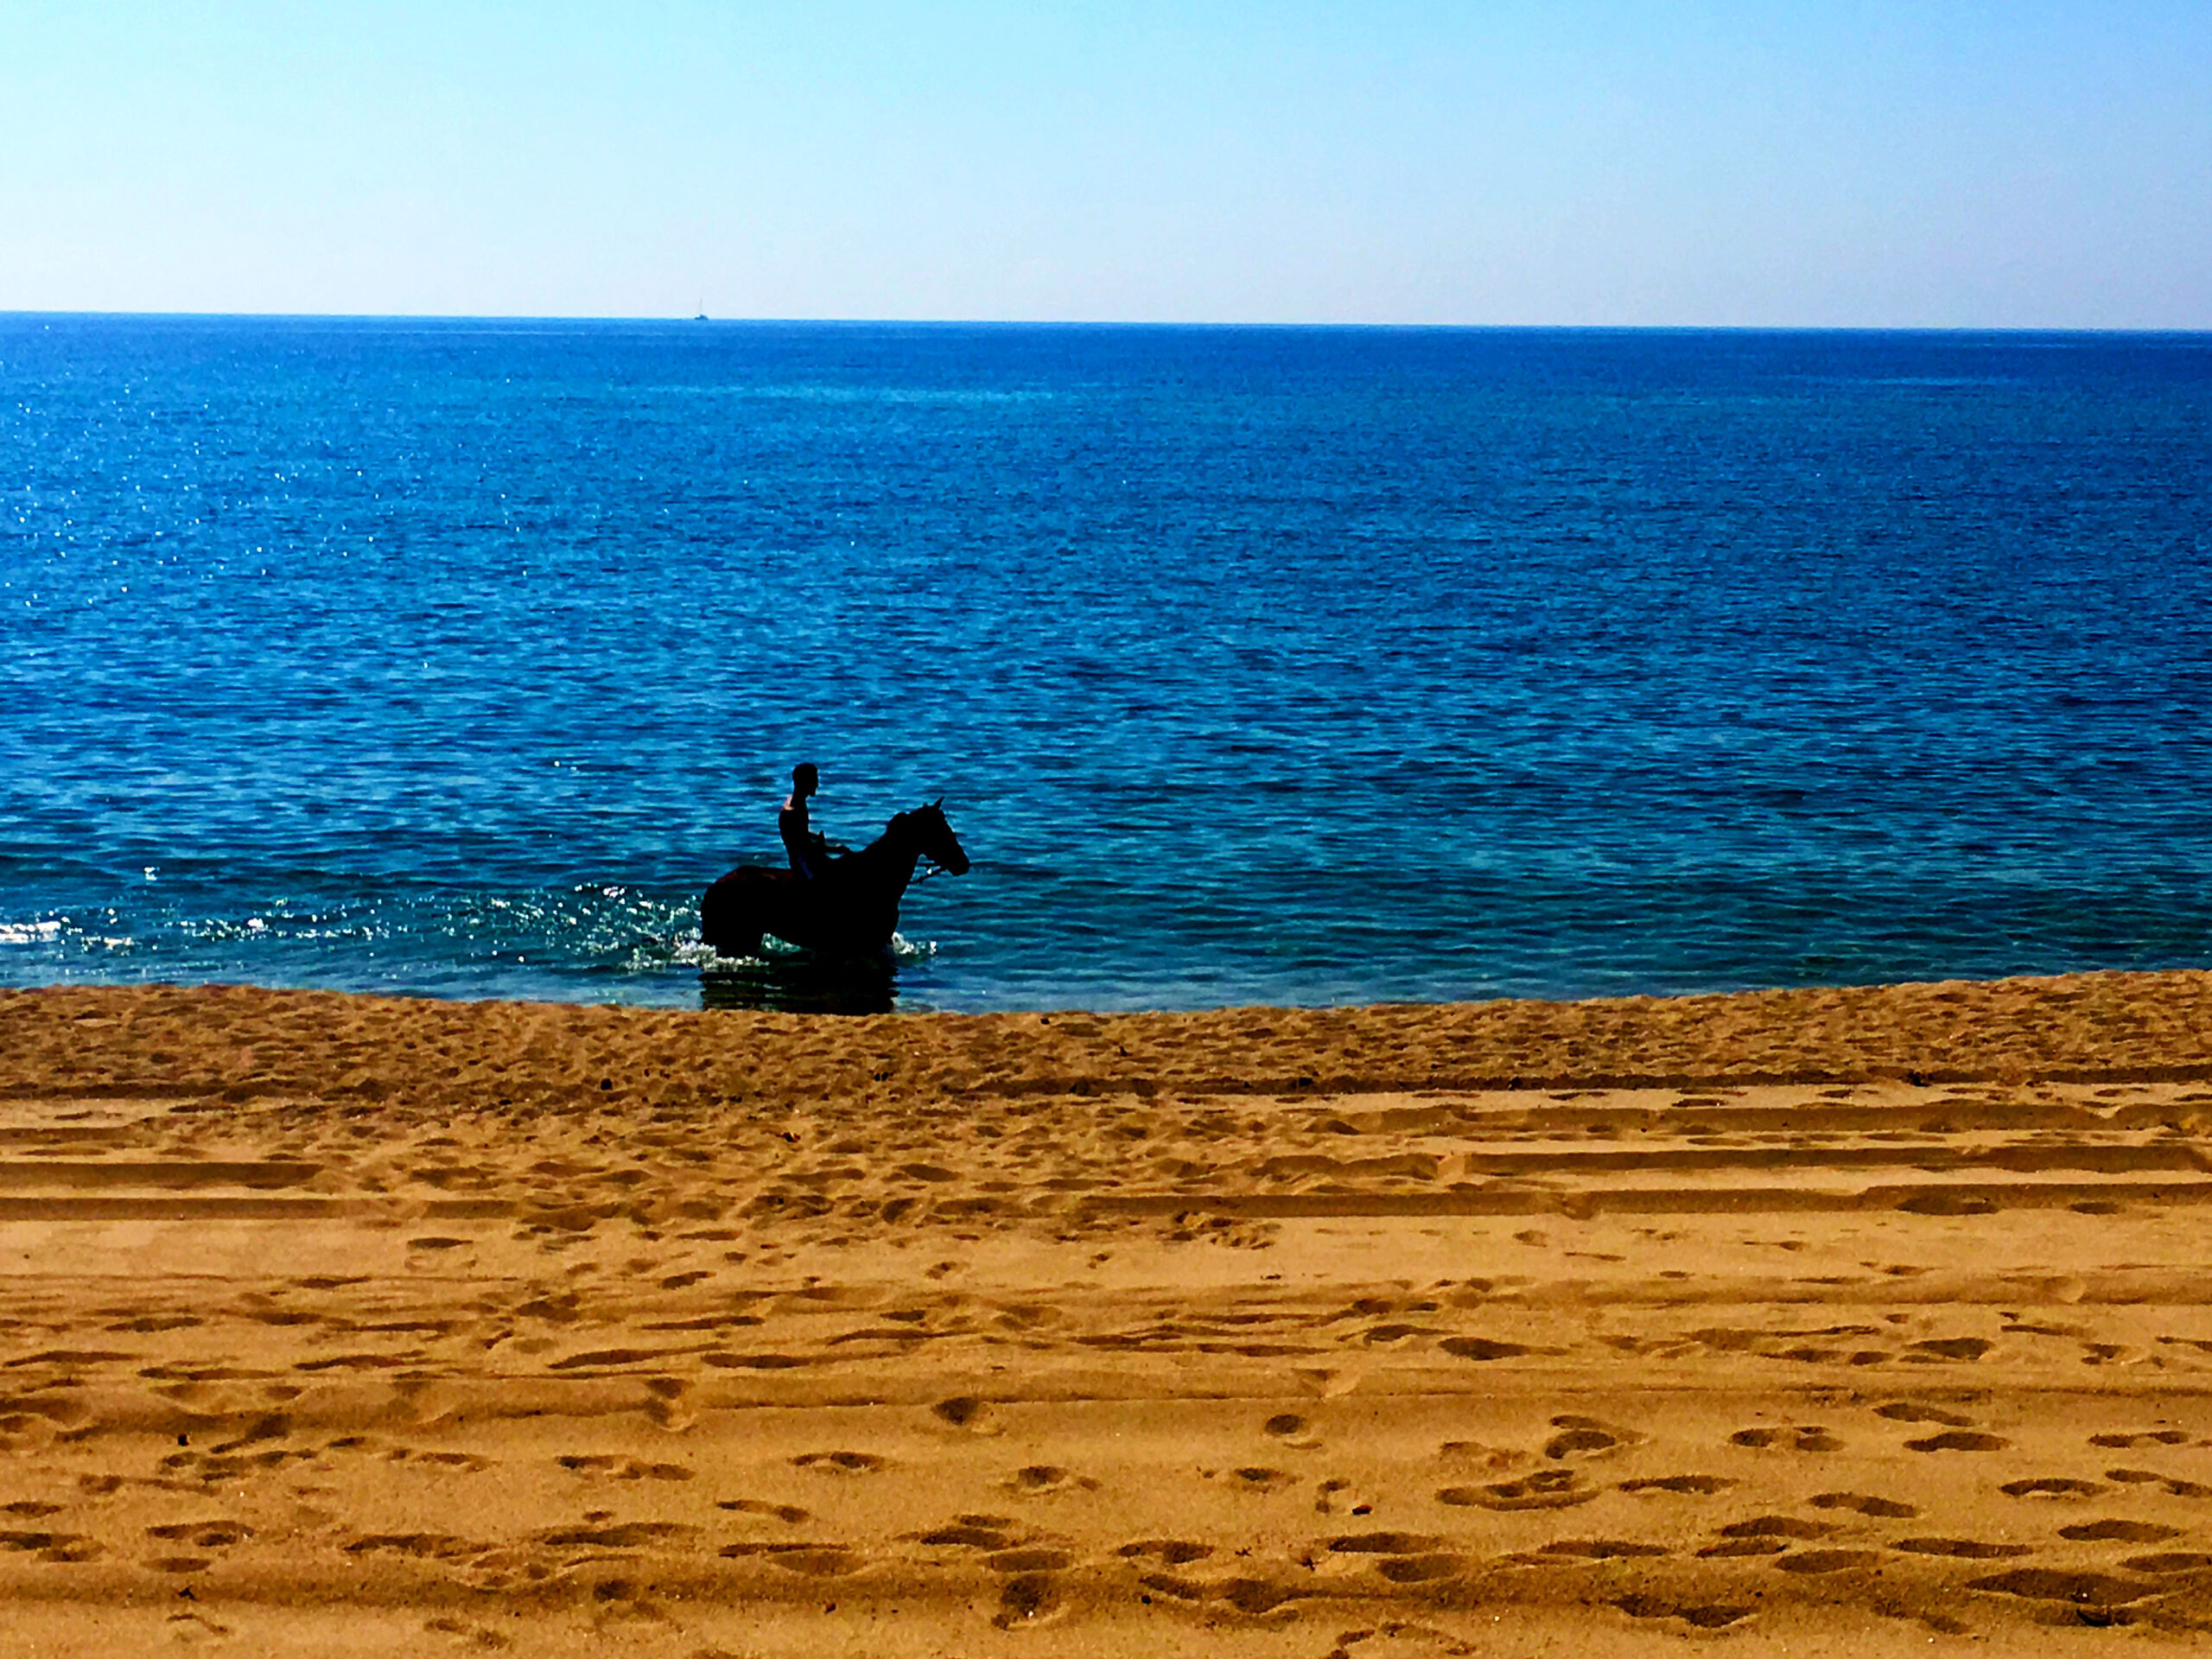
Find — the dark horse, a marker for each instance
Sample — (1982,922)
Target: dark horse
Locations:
(850,911)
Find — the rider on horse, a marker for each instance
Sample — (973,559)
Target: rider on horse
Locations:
(830,901)
(811,854)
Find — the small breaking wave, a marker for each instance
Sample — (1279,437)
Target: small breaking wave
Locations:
(693,952)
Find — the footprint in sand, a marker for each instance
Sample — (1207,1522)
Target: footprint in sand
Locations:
(1172,1552)
(605,1359)
(1776,1527)
(55,1546)
(1681,1485)
(840,1463)
(986,1532)
(203,1535)
(1906,1411)
(1027,1598)
(809,1560)
(1827,1561)
(2083,1590)
(1967,1549)
(1764,1534)
(1586,1437)
(1384,1543)
(2123,1442)
(2110,1353)
(789,1514)
(1481,1348)
(2119,1532)
(1958,1440)
(474,1636)
(1548,1489)
(967,1413)
(1337,1496)
(432,1545)
(2173,1488)
(1967,1349)
(2054,1486)
(1733,1549)
(1800,1437)
(1885,1509)
(1291,1428)
(1027,1560)
(465,1461)
(1420,1569)
(1704,1616)
(629,1534)
(608,1467)
(1475,1455)
(1045,1480)
(668,1407)
(722,1361)
(1596,1549)
(1254,1598)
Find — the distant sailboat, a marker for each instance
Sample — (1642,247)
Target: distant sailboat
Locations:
(702,317)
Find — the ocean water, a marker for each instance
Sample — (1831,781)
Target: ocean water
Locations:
(1253,665)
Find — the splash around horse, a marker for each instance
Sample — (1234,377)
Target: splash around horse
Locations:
(850,911)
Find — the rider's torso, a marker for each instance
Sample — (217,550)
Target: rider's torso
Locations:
(805,847)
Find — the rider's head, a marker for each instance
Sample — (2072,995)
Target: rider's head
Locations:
(804,780)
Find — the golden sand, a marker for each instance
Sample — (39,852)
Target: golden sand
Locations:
(1825,1321)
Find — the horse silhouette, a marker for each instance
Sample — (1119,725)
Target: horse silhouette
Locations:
(850,910)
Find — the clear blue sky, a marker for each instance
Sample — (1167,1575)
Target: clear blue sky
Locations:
(1950,163)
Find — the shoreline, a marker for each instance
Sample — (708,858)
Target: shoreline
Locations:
(245,1042)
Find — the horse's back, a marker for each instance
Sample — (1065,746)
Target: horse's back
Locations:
(731,914)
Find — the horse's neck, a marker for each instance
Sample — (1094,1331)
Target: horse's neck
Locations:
(889,858)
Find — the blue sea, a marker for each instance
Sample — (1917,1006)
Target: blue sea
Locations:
(1277,665)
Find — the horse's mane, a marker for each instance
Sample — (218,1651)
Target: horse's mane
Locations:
(899,821)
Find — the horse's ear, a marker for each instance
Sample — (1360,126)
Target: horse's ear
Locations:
(939,803)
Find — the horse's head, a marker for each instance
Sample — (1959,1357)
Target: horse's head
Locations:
(933,837)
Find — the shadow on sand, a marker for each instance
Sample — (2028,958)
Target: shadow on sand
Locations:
(803,984)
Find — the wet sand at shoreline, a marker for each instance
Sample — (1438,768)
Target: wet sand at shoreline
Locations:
(1808,1321)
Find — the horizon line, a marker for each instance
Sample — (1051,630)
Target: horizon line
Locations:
(672,318)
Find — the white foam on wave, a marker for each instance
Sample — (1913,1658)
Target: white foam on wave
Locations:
(30,932)
(906,949)
(693,952)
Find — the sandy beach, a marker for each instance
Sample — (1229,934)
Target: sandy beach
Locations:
(1834,1321)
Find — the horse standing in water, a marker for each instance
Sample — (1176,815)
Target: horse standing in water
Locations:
(850,911)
